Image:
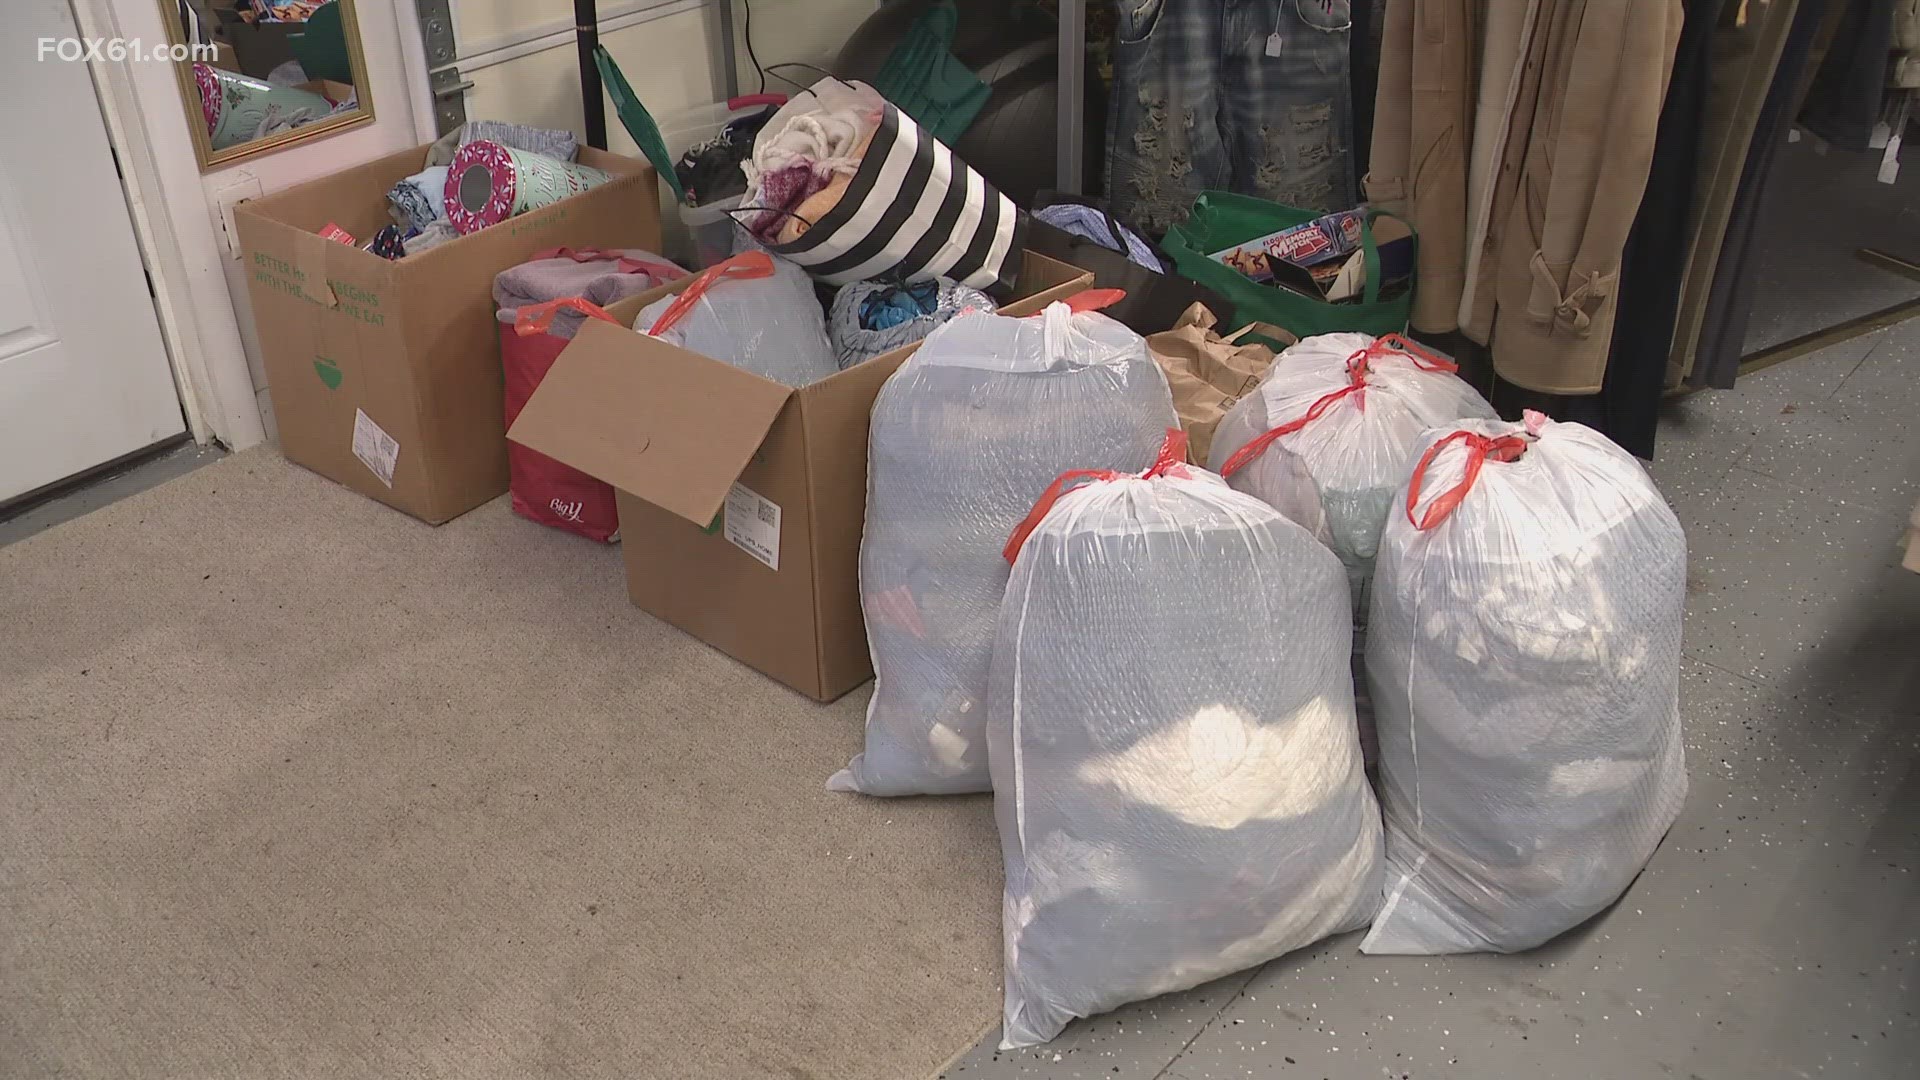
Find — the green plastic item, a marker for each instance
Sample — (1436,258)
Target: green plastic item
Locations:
(321,46)
(1221,219)
(927,82)
(638,121)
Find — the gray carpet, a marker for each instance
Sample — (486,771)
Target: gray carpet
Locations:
(355,797)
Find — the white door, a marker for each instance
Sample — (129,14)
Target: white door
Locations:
(83,375)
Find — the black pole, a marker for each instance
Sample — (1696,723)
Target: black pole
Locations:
(593,105)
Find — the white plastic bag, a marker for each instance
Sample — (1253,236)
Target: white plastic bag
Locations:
(1524,658)
(1176,776)
(1348,409)
(964,436)
(753,310)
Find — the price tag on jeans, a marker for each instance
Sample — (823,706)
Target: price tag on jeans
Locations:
(1274,42)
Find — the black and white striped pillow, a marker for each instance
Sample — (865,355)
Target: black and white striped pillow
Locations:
(913,212)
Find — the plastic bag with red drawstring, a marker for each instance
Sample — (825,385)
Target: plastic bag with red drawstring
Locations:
(1338,416)
(964,435)
(1177,779)
(1525,664)
(753,310)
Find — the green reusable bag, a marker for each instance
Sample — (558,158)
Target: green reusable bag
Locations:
(639,122)
(1221,219)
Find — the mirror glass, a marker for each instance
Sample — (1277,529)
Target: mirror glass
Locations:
(260,74)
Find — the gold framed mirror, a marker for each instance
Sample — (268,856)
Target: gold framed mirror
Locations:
(259,75)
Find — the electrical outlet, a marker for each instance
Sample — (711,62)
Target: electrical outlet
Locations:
(234,189)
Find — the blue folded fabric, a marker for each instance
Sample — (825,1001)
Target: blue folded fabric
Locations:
(420,199)
(869,318)
(1091,224)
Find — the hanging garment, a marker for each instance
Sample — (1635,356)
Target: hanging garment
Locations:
(1844,102)
(1422,130)
(1653,268)
(1249,96)
(969,430)
(1729,298)
(1524,656)
(1566,109)
(1176,781)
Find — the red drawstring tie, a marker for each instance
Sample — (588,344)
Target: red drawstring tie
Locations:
(662,272)
(747,264)
(536,318)
(1479,449)
(1357,371)
(1173,452)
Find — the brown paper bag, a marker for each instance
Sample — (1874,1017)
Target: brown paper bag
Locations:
(1208,373)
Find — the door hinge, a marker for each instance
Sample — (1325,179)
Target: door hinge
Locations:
(449,99)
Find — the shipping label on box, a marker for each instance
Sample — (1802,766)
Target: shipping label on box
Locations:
(753,524)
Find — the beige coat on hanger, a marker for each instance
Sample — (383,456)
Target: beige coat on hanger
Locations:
(1526,128)
(1423,125)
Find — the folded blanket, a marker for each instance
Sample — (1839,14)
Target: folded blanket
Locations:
(602,281)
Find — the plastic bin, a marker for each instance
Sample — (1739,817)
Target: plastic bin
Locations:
(704,234)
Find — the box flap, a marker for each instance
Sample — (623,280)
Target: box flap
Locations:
(656,421)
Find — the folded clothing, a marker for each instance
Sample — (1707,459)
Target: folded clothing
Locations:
(599,276)
(431,237)
(1092,223)
(420,199)
(752,310)
(548,141)
(869,318)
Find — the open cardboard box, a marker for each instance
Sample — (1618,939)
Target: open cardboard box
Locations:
(385,375)
(685,438)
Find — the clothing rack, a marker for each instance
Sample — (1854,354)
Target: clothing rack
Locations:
(1069,122)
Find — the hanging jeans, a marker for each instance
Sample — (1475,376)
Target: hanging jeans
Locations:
(1199,103)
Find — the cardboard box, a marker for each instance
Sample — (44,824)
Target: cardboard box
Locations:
(685,438)
(385,375)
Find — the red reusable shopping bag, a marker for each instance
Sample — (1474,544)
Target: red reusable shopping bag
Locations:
(543,489)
